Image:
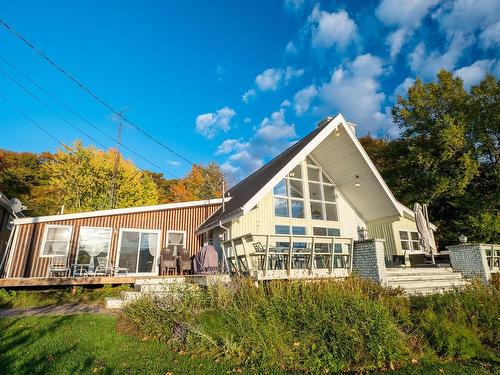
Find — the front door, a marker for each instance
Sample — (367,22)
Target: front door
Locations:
(138,250)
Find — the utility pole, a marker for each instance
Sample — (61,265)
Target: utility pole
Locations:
(112,198)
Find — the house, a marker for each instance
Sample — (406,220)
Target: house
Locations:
(128,237)
(297,216)
(321,194)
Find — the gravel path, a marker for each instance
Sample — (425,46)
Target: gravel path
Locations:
(53,310)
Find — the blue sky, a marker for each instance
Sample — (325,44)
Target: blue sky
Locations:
(233,82)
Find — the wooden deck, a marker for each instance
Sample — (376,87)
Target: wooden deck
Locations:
(71,281)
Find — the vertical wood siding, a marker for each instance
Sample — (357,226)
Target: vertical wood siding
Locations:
(27,262)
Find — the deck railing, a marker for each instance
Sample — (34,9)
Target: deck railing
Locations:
(265,255)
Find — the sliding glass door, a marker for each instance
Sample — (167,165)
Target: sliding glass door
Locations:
(138,250)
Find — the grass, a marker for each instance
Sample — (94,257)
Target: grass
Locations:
(90,344)
(351,325)
(42,298)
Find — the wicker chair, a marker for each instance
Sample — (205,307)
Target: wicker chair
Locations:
(168,262)
(184,262)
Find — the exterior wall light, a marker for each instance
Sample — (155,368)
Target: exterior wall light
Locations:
(357,183)
(462,239)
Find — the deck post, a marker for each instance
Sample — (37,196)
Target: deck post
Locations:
(311,266)
(236,259)
(247,256)
(266,257)
(332,264)
(289,266)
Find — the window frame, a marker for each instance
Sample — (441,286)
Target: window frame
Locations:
(93,227)
(44,240)
(322,185)
(410,241)
(177,231)
(289,196)
(155,258)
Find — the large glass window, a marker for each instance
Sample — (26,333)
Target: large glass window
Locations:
(321,193)
(93,246)
(289,195)
(138,250)
(56,240)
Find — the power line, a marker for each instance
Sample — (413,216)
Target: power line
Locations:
(32,121)
(90,92)
(74,112)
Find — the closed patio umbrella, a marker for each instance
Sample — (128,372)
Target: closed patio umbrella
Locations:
(426,235)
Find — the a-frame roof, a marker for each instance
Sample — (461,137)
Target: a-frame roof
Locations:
(246,194)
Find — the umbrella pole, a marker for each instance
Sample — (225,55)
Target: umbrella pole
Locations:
(426,215)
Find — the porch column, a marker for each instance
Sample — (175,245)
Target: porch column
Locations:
(368,259)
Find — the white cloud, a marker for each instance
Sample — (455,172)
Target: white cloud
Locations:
(490,36)
(270,79)
(294,6)
(427,65)
(230,145)
(285,103)
(406,17)
(173,163)
(330,29)
(275,127)
(474,73)
(355,91)
(209,124)
(303,98)
(248,94)
(247,120)
(402,89)
(291,73)
(291,48)
(471,17)
(271,137)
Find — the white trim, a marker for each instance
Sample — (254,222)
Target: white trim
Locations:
(410,241)
(44,239)
(119,211)
(13,248)
(301,155)
(89,227)
(155,259)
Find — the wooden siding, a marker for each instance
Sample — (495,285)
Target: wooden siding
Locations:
(27,262)
(383,230)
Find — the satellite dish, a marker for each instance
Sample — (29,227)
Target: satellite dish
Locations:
(16,205)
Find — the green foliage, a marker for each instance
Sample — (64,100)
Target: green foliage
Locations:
(448,155)
(27,298)
(351,325)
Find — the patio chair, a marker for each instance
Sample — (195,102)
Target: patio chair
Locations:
(168,263)
(102,268)
(184,262)
(58,266)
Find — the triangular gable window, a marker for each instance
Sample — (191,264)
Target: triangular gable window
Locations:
(306,185)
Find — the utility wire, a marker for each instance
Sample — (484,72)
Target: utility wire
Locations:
(75,113)
(32,121)
(90,92)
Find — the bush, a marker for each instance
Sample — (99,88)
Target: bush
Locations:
(349,325)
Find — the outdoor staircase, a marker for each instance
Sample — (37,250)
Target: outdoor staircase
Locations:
(424,280)
(159,286)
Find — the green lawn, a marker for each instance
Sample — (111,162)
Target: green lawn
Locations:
(90,344)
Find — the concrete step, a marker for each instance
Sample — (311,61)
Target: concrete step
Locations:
(114,303)
(425,277)
(418,271)
(430,290)
(427,284)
